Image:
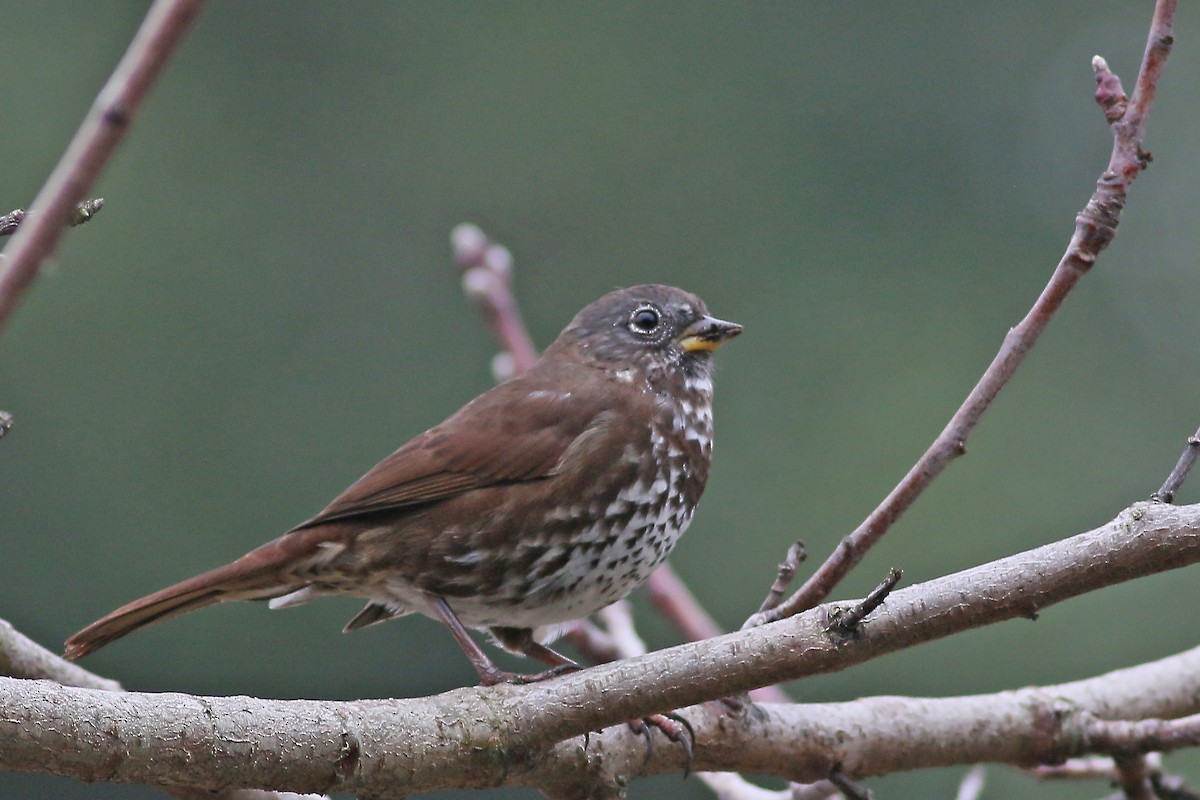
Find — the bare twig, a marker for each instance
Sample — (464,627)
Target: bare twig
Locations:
(1133,776)
(617,639)
(487,280)
(83,212)
(846,622)
(21,657)
(731,786)
(1083,768)
(821,790)
(1095,227)
(1170,787)
(597,645)
(671,597)
(849,788)
(971,786)
(1166,787)
(92,146)
(1170,487)
(1137,737)
(674,600)
(1133,747)
(783,579)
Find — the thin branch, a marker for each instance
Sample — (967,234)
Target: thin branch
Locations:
(1158,47)
(972,784)
(83,212)
(1124,737)
(1133,777)
(618,621)
(94,143)
(1095,227)
(820,790)
(783,578)
(21,657)
(846,623)
(674,600)
(731,786)
(1165,787)
(616,639)
(595,643)
(671,597)
(849,788)
(1171,787)
(1170,487)
(1073,769)
(487,280)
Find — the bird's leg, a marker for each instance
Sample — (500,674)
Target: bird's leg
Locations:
(489,673)
(520,640)
(674,727)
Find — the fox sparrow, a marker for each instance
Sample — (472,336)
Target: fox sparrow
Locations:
(539,502)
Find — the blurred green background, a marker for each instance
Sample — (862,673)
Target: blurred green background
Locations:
(266,306)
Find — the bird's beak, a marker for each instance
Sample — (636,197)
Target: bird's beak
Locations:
(708,333)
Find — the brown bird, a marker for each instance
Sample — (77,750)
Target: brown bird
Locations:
(541,501)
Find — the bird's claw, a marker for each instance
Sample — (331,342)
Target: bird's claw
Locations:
(674,727)
(562,669)
(639,727)
(491,678)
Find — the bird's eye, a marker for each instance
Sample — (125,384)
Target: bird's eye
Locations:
(644,320)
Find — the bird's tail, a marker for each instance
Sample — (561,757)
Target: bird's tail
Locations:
(258,575)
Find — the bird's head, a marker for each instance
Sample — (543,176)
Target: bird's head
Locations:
(648,328)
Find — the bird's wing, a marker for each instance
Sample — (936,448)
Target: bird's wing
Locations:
(518,431)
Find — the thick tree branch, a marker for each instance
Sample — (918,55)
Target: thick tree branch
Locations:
(1095,227)
(504,734)
(21,657)
(92,146)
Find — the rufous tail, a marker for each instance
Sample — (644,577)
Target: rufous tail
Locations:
(255,576)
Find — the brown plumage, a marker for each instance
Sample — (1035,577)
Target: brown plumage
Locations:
(539,502)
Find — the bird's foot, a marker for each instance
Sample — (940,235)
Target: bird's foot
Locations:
(495,675)
(674,727)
